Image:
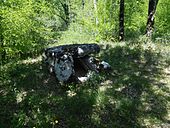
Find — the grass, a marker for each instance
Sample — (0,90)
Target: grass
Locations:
(135,94)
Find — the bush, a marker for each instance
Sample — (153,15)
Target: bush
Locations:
(22,27)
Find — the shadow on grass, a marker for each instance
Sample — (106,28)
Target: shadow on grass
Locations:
(30,97)
(33,98)
(139,96)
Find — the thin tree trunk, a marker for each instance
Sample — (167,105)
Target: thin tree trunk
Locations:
(66,12)
(121,21)
(83,3)
(95,9)
(151,13)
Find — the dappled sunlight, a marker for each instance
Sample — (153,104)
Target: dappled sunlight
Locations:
(20,96)
(134,94)
(135,98)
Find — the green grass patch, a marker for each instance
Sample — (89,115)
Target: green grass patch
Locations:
(134,94)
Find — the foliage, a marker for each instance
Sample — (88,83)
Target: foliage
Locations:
(76,34)
(107,15)
(162,26)
(135,18)
(26,26)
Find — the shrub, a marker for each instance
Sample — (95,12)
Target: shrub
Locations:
(22,27)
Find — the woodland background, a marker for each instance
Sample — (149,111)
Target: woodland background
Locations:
(134,36)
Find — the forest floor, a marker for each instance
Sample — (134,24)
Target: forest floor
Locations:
(135,94)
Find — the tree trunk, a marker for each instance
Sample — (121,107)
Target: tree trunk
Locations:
(83,3)
(150,21)
(95,9)
(65,7)
(121,21)
(66,10)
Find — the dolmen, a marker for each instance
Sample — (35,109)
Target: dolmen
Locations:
(74,62)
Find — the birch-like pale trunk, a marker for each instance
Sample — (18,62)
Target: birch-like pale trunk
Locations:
(151,13)
(95,9)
